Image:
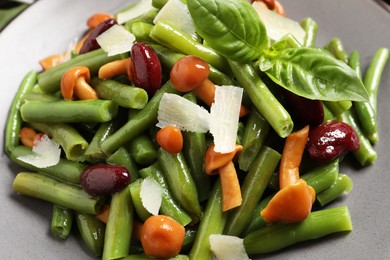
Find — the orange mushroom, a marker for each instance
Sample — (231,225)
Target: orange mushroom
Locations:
(116,68)
(222,164)
(97,19)
(74,82)
(293,202)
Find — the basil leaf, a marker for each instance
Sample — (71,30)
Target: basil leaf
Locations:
(231,27)
(313,73)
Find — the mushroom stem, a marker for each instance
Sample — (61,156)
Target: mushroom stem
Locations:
(231,192)
(293,202)
(116,68)
(83,90)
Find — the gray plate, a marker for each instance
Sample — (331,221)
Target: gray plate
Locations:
(48,26)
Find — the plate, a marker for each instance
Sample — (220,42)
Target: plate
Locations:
(48,26)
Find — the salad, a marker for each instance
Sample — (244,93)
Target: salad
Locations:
(199,174)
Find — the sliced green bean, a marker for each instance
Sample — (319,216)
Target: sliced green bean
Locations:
(50,80)
(61,222)
(257,221)
(336,48)
(364,111)
(142,121)
(328,115)
(189,238)
(194,149)
(318,224)
(262,98)
(94,153)
(159,3)
(14,120)
(173,38)
(213,222)
(122,157)
(169,206)
(252,189)
(65,195)
(142,150)
(180,181)
(373,75)
(33,96)
(135,191)
(73,144)
(65,170)
(122,94)
(69,111)
(119,226)
(366,155)
(343,184)
(141,30)
(92,232)
(323,176)
(311,27)
(169,57)
(255,132)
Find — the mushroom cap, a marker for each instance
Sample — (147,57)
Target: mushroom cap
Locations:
(70,78)
(215,160)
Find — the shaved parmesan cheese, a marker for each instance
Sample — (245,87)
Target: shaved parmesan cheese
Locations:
(134,11)
(46,153)
(177,111)
(225,112)
(278,26)
(228,247)
(116,40)
(176,12)
(151,195)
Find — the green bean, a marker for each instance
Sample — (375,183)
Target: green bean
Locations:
(65,170)
(69,111)
(142,121)
(135,191)
(119,226)
(213,222)
(169,57)
(311,27)
(145,257)
(318,224)
(194,149)
(32,96)
(65,195)
(257,221)
(61,222)
(122,157)
(323,176)
(364,110)
(337,107)
(366,155)
(122,94)
(169,206)
(255,132)
(189,238)
(142,150)
(262,98)
(159,3)
(73,144)
(94,153)
(14,120)
(373,75)
(141,30)
(343,184)
(328,115)
(180,181)
(50,80)
(336,48)
(92,232)
(173,38)
(292,42)
(252,189)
